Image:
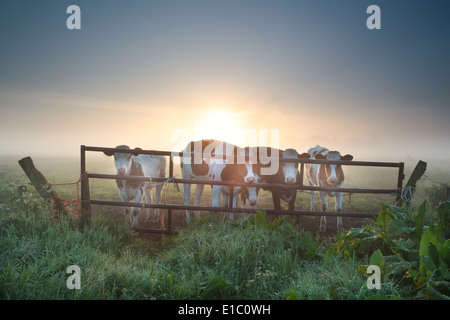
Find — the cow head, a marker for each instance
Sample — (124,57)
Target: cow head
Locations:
(250,194)
(290,169)
(250,170)
(244,169)
(332,173)
(123,161)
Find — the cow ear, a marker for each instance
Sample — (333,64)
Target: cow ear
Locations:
(136,151)
(320,156)
(347,157)
(304,156)
(108,153)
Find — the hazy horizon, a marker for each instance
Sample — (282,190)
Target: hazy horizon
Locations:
(157,74)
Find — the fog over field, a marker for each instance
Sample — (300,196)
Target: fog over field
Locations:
(157,74)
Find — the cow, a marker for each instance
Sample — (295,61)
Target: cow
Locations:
(203,160)
(283,173)
(135,164)
(326,175)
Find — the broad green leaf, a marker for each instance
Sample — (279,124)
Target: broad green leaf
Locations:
(445,253)
(398,213)
(420,218)
(383,217)
(433,254)
(396,228)
(398,267)
(377,259)
(409,230)
(404,245)
(427,238)
(426,266)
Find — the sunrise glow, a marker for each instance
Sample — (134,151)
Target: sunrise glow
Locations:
(221,125)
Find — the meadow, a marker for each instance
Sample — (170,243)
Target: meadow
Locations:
(260,258)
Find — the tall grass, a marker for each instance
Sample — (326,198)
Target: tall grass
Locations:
(211,260)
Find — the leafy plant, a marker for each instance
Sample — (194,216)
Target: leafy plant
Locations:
(405,248)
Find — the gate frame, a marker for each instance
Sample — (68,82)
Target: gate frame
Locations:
(86,201)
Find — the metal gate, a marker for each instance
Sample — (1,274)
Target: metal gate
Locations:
(86,200)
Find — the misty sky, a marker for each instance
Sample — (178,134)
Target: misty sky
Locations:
(137,71)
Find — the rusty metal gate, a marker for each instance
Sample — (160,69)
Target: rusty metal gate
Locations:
(86,200)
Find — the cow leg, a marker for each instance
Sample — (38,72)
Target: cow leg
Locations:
(323,220)
(187,195)
(124,198)
(340,226)
(235,195)
(134,210)
(148,200)
(197,198)
(276,199)
(312,195)
(157,212)
(243,198)
(292,201)
(216,193)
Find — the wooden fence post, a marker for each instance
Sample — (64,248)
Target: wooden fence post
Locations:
(85,193)
(417,173)
(41,184)
(85,199)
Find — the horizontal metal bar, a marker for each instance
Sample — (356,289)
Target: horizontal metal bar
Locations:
(120,150)
(242,184)
(245,210)
(190,155)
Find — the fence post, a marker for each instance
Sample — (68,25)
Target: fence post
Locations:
(169,211)
(85,194)
(43,187)
(302,170)
(417,173)
(401,176)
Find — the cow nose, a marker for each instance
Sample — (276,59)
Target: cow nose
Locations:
(252,202)
(332,180)
(290,180)
(121,171)
(251,179)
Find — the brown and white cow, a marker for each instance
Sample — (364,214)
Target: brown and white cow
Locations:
(326,175)
(134,164)
(203,160)
(278,172)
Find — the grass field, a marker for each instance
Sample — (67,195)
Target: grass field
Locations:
(261,258)
(212,260)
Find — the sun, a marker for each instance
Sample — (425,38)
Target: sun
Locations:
(221,125)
